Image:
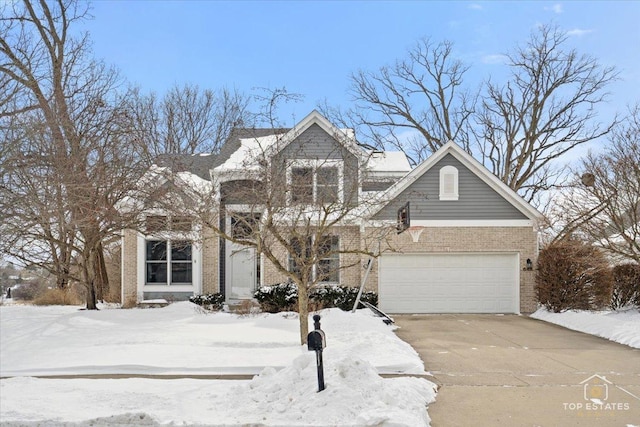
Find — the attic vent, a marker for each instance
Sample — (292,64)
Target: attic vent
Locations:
(448,183)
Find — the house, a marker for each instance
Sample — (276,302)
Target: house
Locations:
(469,249)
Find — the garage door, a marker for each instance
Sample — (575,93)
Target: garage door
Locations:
(449,283)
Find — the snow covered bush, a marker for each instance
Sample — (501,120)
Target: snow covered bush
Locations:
(626,286)
(277,298)
(573,276)
(284,297)
(342,297)
(212,302)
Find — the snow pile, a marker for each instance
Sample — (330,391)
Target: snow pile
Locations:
(619,326)
(184,339)
(354,396)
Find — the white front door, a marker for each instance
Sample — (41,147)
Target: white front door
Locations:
(240,271)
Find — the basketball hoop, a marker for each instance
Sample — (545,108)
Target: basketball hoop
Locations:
(415,232)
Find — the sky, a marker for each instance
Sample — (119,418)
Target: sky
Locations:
(312,47)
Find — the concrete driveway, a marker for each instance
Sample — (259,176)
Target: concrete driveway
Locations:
(508,370)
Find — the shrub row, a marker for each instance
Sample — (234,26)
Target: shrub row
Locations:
(284,297)
(575,276)
(212,302)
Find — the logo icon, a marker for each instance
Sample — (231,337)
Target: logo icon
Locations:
(596,388)
(596,393)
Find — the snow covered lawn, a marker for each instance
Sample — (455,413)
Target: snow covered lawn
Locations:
(619,326)
(183,339)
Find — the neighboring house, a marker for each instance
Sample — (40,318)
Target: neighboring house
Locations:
(467,251)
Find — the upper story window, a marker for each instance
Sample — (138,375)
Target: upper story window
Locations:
(302,185)
(448,183)
(315,182)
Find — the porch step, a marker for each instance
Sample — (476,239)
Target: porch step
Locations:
(242,306)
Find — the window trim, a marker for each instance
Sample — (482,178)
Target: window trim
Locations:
(168,262)
(449,173)
(315,164)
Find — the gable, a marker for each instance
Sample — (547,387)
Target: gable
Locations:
(314,143)
(476,199)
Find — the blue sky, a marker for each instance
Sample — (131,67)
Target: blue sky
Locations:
(312,47)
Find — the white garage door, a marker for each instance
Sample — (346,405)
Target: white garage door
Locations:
(449,283)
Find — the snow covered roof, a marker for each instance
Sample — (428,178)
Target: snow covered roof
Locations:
(248,153)
(245,147)
(197,164)
(388,163)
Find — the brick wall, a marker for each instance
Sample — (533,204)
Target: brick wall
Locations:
(130,269)
(432,239)
(210,262)
(471,239)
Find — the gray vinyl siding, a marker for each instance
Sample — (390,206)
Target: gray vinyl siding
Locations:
(476,201)
(316,144)
(241,191)
(376,185)
(313,143)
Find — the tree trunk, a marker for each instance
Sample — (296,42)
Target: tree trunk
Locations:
(89,273)
(100,273)
(303,311)
(61,280)
(91,297)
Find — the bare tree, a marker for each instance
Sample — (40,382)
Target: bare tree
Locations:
(70,159)
(33,222)
(548,108)
(605,207)
(420,95)
(187,119)
(303,217)
(520,129)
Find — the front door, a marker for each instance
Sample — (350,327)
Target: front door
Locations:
(241,271)
(241,264)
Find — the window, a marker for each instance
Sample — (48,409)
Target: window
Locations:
(329,265)
(302,185)
(244,225)
(327,270)
(169,262)
(299,247)
(327,185)
(315,183)
(448,183)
